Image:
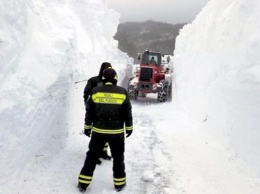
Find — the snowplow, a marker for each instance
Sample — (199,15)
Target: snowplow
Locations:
(151,76)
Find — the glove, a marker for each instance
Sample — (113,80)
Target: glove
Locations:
(128,132)
(87,132)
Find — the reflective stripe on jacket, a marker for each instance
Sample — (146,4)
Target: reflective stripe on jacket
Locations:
(109,110)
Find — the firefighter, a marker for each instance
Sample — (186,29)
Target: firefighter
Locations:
(108,118)
(92,83)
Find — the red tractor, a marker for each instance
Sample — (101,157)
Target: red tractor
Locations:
(151,76)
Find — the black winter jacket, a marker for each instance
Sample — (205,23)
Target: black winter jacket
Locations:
(95,81)
(108,110)
(92,83)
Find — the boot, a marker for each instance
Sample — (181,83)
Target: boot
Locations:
(105,156)
(82,187)
(119,187)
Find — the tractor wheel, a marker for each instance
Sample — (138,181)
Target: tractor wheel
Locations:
(163,95)
(169,93)
(128,84)
(133,94)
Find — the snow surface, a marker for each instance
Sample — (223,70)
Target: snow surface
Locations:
(203,142)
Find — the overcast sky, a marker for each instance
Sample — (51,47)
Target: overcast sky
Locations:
(170,11)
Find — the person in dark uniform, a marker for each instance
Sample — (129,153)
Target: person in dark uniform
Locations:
(108,118)
(95,81)
(152,61)
(92,83)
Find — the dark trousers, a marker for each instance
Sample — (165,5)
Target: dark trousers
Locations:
(96,145)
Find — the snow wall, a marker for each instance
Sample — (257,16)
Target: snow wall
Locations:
(217,74)
(45,47)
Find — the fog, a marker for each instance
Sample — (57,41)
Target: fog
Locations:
(169,11)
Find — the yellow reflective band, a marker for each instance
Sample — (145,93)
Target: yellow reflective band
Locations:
(108,98)
(105,147)
(120,183)
(85,182)
(108,131)
(87,127)
(108,101)
(129,128)
(85,177)
(119,179)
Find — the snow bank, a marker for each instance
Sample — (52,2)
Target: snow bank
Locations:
(45,47)
(48,44)
(217,73)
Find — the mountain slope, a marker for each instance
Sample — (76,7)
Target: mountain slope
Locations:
(134,37)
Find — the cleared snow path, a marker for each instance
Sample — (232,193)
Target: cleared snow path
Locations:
(168,153)
(144,153)
(51,156)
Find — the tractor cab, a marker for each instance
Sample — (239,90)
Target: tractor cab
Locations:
(153,58)
(150,67)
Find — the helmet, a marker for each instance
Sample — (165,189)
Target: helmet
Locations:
(109,75)
(104,65)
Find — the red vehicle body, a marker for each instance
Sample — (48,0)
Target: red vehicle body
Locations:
(151,78)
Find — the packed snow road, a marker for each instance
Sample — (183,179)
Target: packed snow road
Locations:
(168,153)
(51,156)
